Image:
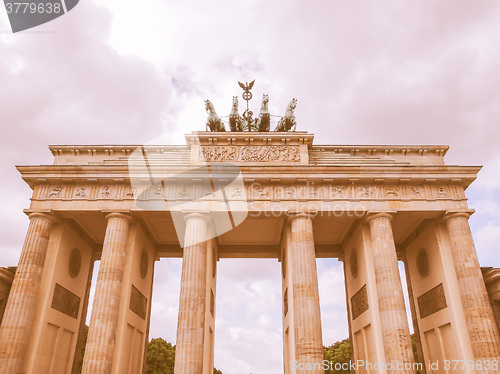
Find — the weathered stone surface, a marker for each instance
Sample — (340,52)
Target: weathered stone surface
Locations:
(104,319)
(19,312)
(65,301)
(138,302)
(393,320)
(191,322)
(359,303)
(307,318)
(250,153)
(75,262)
(432,301)
(283,173)
(484,335)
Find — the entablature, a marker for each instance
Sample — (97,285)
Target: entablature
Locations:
(263,149)
(121,174)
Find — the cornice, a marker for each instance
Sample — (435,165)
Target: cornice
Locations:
(439,150)
(126,149)
(425,174)
(390,168)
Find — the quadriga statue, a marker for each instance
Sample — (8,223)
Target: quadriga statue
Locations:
(214,123)
(236,121)
(264,119)
(288,120)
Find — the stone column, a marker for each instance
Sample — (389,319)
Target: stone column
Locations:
(23,297)
(480,320)
(395,331)
(101,339)
(191,322)
(306,310)
(349,314)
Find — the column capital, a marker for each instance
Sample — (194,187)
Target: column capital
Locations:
(47,215)
(293,215)
(196,215)
(375,215)
(119,215)
(455,214)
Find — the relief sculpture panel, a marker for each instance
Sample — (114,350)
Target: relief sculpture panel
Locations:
(283,153)
(359,303)
(302,190)
(432,301)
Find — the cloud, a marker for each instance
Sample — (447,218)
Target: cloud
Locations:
(165,300)
(68,86)
(487,240)
(248,336)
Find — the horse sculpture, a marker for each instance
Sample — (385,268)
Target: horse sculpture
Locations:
(263,123)
(288,120)
(235,120)
(214,123)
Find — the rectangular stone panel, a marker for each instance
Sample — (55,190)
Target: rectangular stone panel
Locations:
(212,303)
(432,301)
(250,153)
(359,303)
(65,301)
(138,302)
(285,302)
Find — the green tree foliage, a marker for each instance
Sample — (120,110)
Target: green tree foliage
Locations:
(414,346)
(415,352)
(337,353)
(161,357)
(82,351)
(340,353)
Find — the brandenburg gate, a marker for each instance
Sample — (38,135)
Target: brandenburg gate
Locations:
(248,194)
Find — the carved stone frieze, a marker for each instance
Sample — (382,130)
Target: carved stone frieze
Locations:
(365,192)
(283,153)
(130,192)
(416,192)
(391,191)
(80,192)
(338,192)
(300,191)
(359,303)
(442,192)
(106,192)
(55,192)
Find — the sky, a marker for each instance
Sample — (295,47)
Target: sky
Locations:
(363,72)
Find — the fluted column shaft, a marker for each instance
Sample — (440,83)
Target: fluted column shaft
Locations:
(479,316)
(21,304)
(102,330)
(395,331)
(191,322)
(306,309)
